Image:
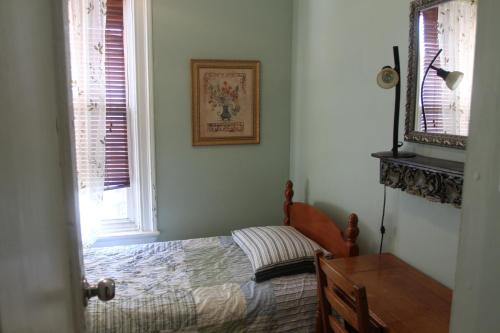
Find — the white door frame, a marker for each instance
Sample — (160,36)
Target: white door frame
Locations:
(475,300)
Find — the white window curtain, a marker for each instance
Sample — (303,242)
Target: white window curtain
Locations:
(87,22)
(456,34)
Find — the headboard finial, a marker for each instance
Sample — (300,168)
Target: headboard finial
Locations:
(288,201)
(352,233)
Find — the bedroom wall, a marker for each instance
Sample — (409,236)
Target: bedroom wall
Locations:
(206,191)
(340,116)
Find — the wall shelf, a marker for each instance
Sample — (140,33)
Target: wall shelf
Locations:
(432,178)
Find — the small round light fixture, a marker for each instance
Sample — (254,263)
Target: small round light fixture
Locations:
(387,78)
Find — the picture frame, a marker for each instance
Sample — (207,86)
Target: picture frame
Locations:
(225,102)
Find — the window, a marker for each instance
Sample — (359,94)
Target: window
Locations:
(117,164)
(113,118)
(450,26)
(435,90)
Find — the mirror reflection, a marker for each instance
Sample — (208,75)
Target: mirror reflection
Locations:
(446,47)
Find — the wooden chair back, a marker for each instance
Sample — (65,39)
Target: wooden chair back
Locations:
(340,295)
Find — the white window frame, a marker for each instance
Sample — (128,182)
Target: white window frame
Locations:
(141,226)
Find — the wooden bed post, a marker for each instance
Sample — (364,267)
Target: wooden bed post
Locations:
(314,224)
(352,234)
(288,201)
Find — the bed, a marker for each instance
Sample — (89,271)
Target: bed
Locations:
(205,284)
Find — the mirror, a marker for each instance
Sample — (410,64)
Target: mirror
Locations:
(440,71)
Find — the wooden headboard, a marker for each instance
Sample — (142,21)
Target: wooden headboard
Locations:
(317,226)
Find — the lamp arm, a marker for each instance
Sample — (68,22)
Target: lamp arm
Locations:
(422,87)
(397,101)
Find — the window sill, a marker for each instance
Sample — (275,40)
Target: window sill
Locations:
(126,238)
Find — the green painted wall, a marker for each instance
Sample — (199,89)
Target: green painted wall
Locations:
(207,191)
(340,116)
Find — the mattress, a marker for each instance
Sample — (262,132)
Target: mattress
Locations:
(197,285)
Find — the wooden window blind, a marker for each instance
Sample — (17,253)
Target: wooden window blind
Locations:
(435,91)
(117,173)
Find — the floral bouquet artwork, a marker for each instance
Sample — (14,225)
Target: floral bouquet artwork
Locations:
(225,102)
(225,98)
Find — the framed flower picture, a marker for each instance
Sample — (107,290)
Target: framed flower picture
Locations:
(225,102)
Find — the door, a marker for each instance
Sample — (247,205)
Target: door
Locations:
(40,252)
(39,269)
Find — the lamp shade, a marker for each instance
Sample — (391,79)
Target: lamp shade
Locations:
(453,80)
(387,78)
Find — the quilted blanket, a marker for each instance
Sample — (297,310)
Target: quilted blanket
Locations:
(197,285)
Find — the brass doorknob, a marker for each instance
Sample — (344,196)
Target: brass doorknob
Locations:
(104,290)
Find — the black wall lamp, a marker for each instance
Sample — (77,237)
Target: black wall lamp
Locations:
(452,80)
(388,78)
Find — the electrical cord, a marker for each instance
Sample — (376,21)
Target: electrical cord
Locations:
(382,228)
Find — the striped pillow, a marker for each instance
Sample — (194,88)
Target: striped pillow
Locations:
(276,251)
